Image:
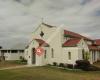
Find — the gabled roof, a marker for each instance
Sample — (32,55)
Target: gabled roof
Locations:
(71,42)
(76,35)
(97,42)
(42,42)
(50,26)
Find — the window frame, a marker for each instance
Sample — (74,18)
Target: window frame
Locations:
(52,52)
(45,54)
(69,56)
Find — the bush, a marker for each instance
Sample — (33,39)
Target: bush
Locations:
(20,62)
(61,65)
(76,66)
(83,64)
(98,60)
(65,65)
(70,66)
(49,65)
(22,59)
(93,68)
(55,64)
(86,66)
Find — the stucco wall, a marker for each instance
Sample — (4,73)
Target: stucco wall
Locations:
(55,38)
(13,56)
(74,55)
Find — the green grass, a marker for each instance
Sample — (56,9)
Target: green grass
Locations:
(97,64)
(47,73)
(5,64)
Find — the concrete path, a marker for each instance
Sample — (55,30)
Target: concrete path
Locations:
(16,67)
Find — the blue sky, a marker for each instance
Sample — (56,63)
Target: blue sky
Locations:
(19,18)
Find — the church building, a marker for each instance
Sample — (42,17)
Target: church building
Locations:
(60,46)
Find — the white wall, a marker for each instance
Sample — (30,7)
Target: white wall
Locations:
(74,55)
(53,37)
(26,54)
(13,56)
(83,45)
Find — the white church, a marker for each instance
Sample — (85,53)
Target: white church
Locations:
(60,46)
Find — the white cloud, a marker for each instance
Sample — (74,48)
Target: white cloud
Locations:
(18,18)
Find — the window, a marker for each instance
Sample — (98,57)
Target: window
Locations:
(45,54)
(41,34)
(82,43)
(83,52)
(4,51)
(52,53)
(21,51)
(14,51)
(9,51)
(69,55)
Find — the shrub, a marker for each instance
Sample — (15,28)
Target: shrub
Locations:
(70,66)
(54,64)
(22,59)
(93,68)
(65,65)
(20,62)
(61,65)
(83,64)
(98,60)
(49,65)
(76,66)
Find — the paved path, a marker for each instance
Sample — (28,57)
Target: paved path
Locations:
(15,67)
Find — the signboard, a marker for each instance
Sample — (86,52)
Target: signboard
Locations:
(39,51)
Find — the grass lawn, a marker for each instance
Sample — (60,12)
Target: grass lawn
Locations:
(5,64)
(97,64)
(47,73)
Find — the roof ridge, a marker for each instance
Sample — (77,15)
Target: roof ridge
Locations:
(48,25)
(75,34)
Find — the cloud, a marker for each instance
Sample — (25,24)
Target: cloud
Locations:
(25,2)
(19,18)
(84,2)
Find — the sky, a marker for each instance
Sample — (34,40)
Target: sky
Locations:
(19,18)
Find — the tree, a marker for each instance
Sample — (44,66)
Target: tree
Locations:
(86,55)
